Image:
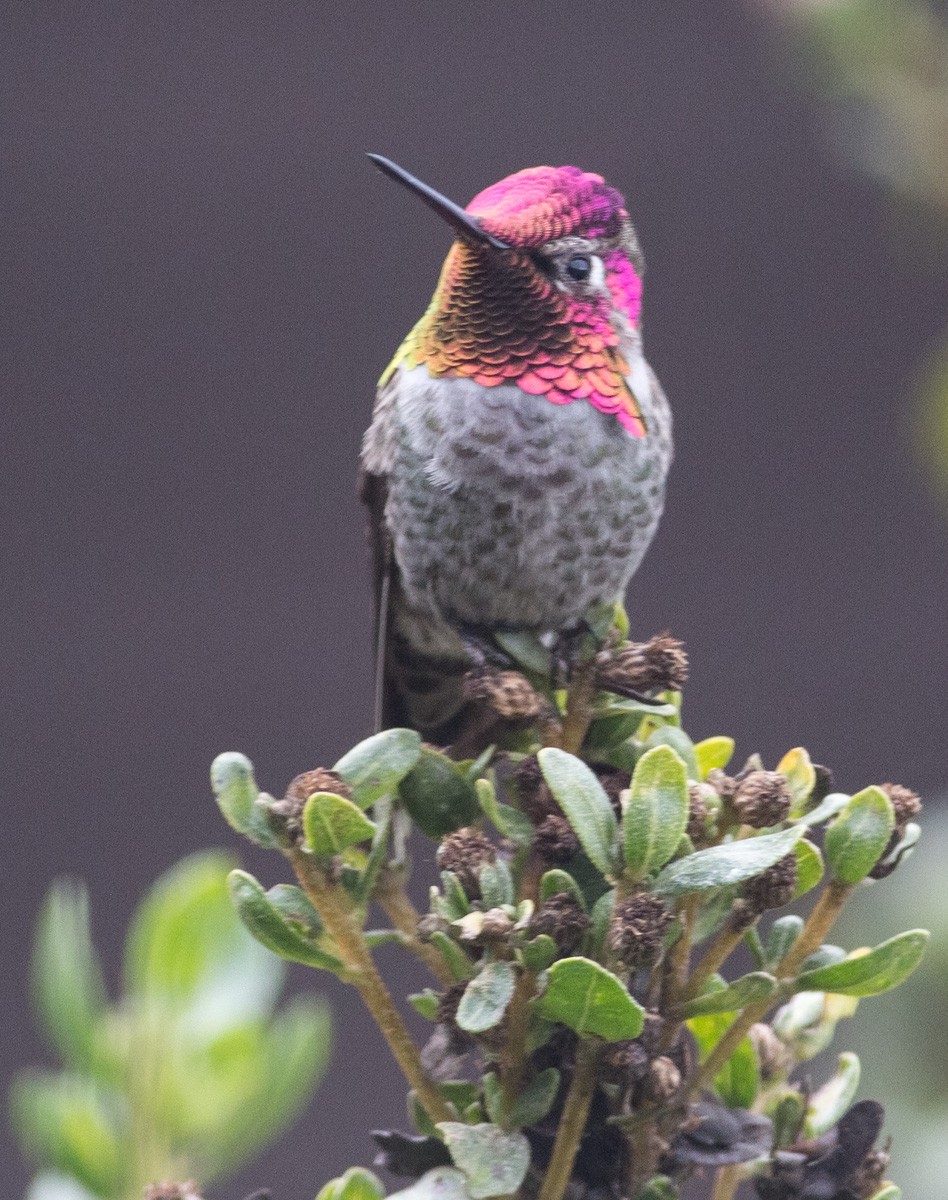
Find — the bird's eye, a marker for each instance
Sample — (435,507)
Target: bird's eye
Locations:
(579,267)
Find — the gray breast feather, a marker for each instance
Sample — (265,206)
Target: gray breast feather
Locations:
(508,510)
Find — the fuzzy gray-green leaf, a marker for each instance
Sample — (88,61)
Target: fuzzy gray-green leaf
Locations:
(590,1000)
(879,970)
(857,839)
(656,811)
(494,1163)
(486,998)
(725,865)
(374,767)
(582,797)
(332,824)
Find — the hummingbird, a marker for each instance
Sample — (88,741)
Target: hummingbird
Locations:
(514,468)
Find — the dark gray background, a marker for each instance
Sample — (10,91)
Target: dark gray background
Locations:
(206,278)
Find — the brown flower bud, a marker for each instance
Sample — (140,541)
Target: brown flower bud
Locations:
(508,694)
(660,664)
(762,798)
(770,889)
(536,799)
(562,918)
(465,852)
(905,802)
(772,1055)
(638,926)
(662,1081)
(555,840)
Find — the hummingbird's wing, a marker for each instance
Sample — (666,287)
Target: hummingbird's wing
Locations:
(373,491)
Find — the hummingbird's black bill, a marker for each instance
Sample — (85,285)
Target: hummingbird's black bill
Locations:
(463,224)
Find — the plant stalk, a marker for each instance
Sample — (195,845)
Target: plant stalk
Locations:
(572,1123)
(391,894)
(514,1061)
(331,903)
(727,1182)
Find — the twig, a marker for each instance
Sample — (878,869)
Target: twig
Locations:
(393,897)
(572,1123)
(329,901)
(727,1182)
(514,1062)
(579,708)
(715,956)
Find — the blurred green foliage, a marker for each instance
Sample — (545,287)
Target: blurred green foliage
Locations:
(880,68)
(190,1073)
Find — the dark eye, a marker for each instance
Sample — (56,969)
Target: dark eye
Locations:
(578,267)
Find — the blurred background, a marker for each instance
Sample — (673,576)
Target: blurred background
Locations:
(205,279)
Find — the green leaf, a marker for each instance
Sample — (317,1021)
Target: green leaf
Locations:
(590,1000)
(49,1185)
(187,951)
(443,1183)
(376,766)
(486,998)
(273,925)
(356,1184)
(680,742)
(73,1125)
(713,754)
(526,649)
(828,1103)
(888,1191)
(599,921)
(857,839)
(555,882)
(783,933)
(509,821)
(497,887)
(828,807)
(788,1119)
(659,1187)
(242,806)
(426,1003)
(800,774)
(585,803)
(656,811)
(731,863)
(738,1082)
(234,788)
(809,867)
(536,1099)
(494,1163)
(870,973)
(747,990)
(537,954)
(438,795)
(458,962)
(67,979)
(332,824)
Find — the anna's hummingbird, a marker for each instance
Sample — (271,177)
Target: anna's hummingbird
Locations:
(516,460)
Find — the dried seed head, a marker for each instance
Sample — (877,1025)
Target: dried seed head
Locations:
(536,799)
(762,798)
(318,780)
(496,925)
(173,1191)
(772,1055)
(724,784)
(701,798)
(660,664)
(431,923)
(905,802)
(562,918)
(465,852)
(286,816)
(508,694)
(624,1063)
(555,840)
(770,889)
(638,926)
(614,783)
(662,1081)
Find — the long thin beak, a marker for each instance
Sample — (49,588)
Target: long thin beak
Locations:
(463,224)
